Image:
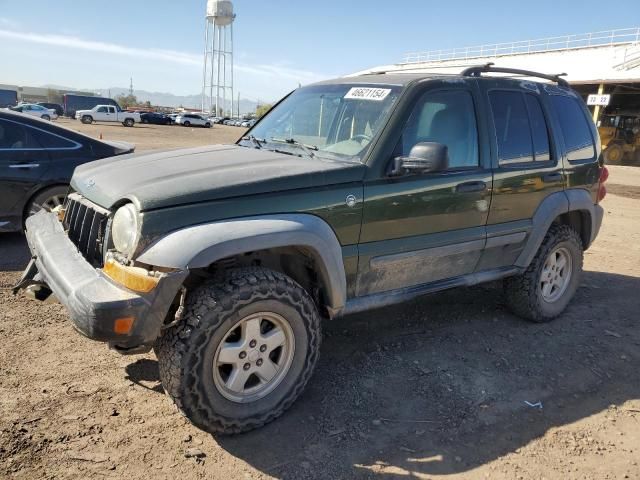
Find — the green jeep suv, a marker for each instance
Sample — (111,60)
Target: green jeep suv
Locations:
(349,195)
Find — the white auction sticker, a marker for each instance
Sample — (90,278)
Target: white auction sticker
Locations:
(367,93)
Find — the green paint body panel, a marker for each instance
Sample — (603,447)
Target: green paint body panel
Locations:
(402,231)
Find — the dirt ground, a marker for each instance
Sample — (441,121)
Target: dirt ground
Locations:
(157,137)
(432,389)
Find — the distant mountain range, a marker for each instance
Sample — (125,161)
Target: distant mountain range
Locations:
(164,99)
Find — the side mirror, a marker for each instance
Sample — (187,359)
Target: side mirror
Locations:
(424,157)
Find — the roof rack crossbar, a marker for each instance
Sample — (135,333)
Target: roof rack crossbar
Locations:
(477,70)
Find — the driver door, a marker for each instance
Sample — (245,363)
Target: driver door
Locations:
(102,114)
(423,228)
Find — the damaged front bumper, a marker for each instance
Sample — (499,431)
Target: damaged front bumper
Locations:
(96,304)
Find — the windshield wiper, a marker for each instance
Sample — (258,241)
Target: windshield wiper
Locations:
(257,142)
(308,149)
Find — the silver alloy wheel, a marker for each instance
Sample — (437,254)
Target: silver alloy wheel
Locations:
(253,357)
(556,274)
(48,205)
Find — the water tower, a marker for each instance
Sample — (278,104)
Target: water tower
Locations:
(217,81)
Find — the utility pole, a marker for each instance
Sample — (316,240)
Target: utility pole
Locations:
(238,104)
(131,87)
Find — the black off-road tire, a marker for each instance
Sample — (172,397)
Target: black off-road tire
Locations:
(186,351)
(523,292)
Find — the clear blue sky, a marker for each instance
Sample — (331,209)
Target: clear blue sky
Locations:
(91,44)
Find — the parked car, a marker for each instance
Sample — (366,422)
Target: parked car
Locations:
(73,103)
(36,111)
(108,113)
(192,120)
(37,159)
(53,106)
(155,118)
(349,195)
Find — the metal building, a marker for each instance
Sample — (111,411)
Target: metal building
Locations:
(601,62)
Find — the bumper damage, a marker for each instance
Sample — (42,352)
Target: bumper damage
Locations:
(95,302)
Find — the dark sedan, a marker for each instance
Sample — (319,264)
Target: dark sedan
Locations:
(37,160)
(155,118)
(53,106)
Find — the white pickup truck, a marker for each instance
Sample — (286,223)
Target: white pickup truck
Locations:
(107,113)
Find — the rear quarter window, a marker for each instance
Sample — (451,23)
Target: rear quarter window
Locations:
(575,128)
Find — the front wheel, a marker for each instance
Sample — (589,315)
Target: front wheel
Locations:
(244,351)
(187,124)
(46,117)
(87,120)
(207,125)
(545,289)
(614,154)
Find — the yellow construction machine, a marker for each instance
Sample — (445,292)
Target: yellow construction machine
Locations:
(620,137)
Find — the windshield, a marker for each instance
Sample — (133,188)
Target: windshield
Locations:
(337,121)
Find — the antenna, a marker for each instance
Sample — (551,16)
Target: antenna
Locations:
(217,76)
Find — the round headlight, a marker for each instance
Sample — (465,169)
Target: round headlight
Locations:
(124,229)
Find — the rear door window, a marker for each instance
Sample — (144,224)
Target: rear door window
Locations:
(522,134)
(51,141)
(539,129)
(15,136)
(513,132)
(575,128)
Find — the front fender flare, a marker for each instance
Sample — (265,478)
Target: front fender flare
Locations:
(201,245)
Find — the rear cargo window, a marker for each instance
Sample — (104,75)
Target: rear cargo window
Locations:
(575,128)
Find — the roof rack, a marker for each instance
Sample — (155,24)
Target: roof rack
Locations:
(477,70)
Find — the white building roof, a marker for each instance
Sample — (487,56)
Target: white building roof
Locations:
(599,57)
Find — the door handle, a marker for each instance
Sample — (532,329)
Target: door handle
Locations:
(25,165)
(552,177)
(469,187)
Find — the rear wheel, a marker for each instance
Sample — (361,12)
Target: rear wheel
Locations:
(545,289)
(128,122)
(47,200)
(244,351)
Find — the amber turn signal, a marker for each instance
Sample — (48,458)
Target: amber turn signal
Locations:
(133,278)
(122,326)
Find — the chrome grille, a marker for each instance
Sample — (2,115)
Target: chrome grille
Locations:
(86,224)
